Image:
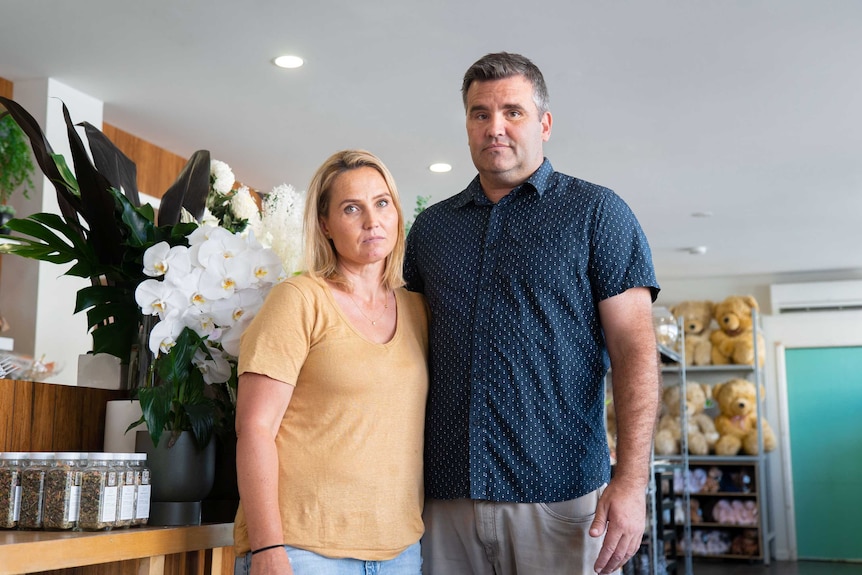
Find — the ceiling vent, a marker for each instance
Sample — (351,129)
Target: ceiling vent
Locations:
(816,296)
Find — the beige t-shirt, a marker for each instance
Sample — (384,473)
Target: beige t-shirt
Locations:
(350,443)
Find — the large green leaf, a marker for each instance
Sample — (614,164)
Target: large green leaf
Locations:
(44,243)
(201,420)
(156,408)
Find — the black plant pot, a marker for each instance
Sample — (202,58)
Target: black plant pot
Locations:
(181,476)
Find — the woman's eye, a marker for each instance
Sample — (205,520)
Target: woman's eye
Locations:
(382,203)
(350,209)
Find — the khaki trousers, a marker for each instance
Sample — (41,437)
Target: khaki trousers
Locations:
(473,537)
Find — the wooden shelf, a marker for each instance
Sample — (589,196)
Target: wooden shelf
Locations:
(714,524)
(34,551)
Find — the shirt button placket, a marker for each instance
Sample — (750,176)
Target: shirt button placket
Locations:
(479,398)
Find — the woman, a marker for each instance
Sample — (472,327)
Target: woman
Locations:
(332,388)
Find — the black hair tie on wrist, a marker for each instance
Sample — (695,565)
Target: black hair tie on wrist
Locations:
(267,548)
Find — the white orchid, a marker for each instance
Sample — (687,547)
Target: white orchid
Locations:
(164,335)
(161,257)
(214,287)
(216,367)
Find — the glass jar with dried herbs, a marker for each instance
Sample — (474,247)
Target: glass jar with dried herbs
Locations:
(126,502)
(142,492)
(62,493)
(33,489)
(11,465)
(100,486)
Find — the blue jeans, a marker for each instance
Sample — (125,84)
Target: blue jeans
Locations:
(409,562)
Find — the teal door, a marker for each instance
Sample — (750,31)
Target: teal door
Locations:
(824,400)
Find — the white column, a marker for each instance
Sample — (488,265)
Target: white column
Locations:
(36,298)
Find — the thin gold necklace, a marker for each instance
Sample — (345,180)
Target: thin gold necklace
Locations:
(373,321)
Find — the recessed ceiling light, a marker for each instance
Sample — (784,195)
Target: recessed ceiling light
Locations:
(703,214)
(288,62)
(440,168)
(697,250)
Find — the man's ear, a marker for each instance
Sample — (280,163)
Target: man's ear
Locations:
(546,120)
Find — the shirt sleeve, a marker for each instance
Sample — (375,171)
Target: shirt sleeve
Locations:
(621,257)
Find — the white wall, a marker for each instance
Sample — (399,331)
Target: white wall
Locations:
(813,329)
(36,299)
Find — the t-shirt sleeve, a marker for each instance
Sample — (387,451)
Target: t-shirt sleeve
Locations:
(277,341)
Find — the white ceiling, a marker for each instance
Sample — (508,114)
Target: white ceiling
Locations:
(751,110)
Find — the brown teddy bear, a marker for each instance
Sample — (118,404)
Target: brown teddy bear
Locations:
(702,434)
(746,544)
(737,420)
(697,318)
(733,341)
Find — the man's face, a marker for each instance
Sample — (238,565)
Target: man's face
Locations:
(505,131)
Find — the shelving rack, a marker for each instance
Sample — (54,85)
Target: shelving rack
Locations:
(714,374)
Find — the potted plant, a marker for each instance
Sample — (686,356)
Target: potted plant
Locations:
(115,242)
(103,229)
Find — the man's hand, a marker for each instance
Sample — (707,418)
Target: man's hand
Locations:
(621,512)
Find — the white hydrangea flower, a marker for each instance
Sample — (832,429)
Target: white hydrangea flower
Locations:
(244,207)
(221,176)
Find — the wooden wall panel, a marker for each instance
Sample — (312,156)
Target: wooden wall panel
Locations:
(7,401)
(157,168)
(51,417)
(68,418)
(93,406)
(22,417)
(190,563)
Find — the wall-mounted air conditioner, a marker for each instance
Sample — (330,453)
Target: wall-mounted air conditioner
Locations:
(816,296)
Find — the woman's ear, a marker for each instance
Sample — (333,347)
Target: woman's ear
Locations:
(324,228)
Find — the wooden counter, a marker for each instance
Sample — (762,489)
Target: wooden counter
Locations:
(201,549)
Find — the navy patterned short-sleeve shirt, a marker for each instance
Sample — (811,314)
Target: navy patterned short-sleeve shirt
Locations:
(515,409)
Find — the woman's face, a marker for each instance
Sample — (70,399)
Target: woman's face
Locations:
(362,220)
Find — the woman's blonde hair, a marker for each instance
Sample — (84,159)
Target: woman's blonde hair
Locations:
(321,258)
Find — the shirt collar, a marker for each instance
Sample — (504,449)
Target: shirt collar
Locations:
(539,181)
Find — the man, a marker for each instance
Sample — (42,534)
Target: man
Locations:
(536,281)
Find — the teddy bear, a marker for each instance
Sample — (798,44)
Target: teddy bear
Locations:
(696,321)
(702,434)
(746,543)
(733,341)
(695,513)
(713,480)
(737,420)
(736,512)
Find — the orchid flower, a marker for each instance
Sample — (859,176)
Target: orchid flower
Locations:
(165,333)
(216,368)
(161,257)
